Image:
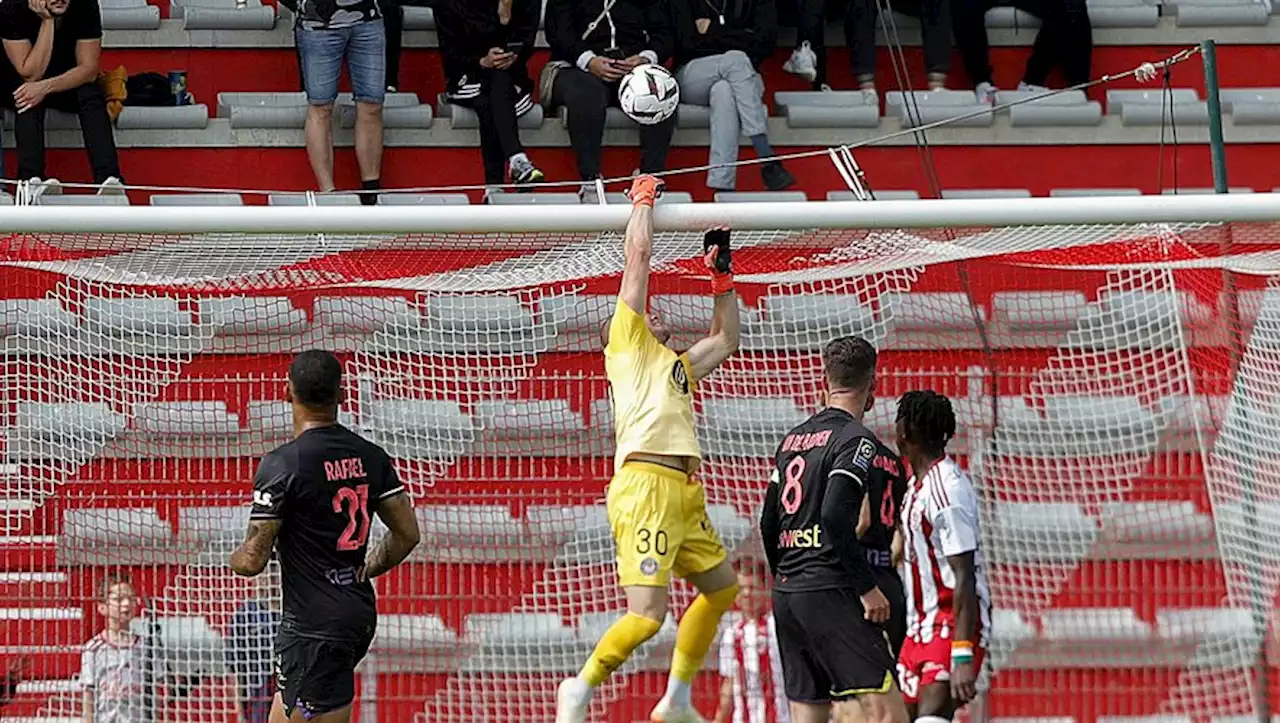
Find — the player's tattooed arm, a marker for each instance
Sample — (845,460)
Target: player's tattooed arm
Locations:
(397,514)
(251,557)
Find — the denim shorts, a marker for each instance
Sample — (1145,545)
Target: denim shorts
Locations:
(365,48)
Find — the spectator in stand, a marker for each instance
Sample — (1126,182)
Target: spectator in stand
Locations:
(393,22)
(751,685)
(249,648)
(111,666)
(327,33)
(486,46)
(720,46)
(593,44)
(55,46)
(1065,37)
(861,20)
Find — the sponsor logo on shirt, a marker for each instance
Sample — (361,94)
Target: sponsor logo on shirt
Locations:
(679,378)
(803,538)
(262,498)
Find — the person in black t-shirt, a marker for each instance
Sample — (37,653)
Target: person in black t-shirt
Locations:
(880,539)
(312,500)
(827,606)
(55,46)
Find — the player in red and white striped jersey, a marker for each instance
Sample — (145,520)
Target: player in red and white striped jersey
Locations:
(948,599)
(751,684)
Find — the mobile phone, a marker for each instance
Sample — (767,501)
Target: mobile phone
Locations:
(514,46)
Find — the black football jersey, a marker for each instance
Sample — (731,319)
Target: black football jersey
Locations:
(324,487)
(824,464)
(886,487)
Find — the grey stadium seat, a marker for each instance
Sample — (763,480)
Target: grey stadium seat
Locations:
(528,418)
(162,316)
(84,199)
(223,14)
(463,117)
(187,419)
(1123,14)
(471,533)
(114,536)
(220,524)
(1066,108)
(197,199)
(129,15)
(963,193)
(1158,524)
(184,117)
(1038,310)
(498,198)
(1215,13)
(934,106)
(1150,107)
(417,643)
(520,641)
(1202,191)
(263,110)
(423,199)
(478,313)
(931,311)
(251,315)
(760,197)
(399,110)
(1252,106)
(1083,192)
(834,109)
(364,314)
(326,199)
(815,318)
(36,317)
(877,195)
(1020,528)
(620,198)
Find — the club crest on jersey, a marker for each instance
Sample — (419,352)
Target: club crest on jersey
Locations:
(648,566)
(864,454)
(680,378)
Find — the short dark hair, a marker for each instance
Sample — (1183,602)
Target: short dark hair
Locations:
(849,362)
(316,376)
(927,419)
(110,580)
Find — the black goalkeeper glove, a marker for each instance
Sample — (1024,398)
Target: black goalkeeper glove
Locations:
(719,260)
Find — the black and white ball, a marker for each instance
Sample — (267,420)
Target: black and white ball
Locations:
(649,94)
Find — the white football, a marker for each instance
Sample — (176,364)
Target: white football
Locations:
(649,94)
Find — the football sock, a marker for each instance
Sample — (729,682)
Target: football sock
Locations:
(932,719)
(697,631)
(616,646)
(761,144)
(366,197)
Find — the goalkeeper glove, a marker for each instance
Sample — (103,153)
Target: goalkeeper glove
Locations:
(645,190)
(719,260)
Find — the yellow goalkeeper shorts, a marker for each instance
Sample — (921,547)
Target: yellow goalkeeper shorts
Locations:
(660,525)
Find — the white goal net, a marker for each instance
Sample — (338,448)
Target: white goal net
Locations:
(1117,387)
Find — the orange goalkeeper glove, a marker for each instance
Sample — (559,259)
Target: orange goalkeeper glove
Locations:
(645,190)
(719,260)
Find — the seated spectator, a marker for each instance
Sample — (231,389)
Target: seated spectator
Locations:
(329,32)
(111,666)
(752,689)
(393,22)
(55,46)
(717,57)
(1065,36)
(860,25)
(486,46)
(593,44)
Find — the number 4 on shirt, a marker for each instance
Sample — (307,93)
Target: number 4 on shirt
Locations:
(355,502)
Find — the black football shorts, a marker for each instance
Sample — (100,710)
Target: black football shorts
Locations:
(890,584)
(829,650)
(318,676)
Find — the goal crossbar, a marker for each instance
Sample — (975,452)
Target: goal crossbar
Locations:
(673,217)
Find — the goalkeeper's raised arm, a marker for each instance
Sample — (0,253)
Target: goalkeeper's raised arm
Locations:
(711,351)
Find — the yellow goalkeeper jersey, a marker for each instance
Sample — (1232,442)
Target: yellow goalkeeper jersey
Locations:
(652,392)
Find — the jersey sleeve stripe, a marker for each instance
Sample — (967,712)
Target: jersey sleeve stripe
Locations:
(391,492)
(263,516)
(938,488)
(846,473)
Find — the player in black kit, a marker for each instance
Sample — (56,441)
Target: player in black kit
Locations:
(312,499)
(827,606)
(880,539)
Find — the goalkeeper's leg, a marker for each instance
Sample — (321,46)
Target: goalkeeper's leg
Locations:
(718,588)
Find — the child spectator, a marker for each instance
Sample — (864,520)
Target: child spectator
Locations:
(486,46)
(751,686)
(593,44)
(111,664)
(55,47)
(1065,37)
(720,49)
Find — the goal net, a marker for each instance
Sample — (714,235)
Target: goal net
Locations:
(1117,388)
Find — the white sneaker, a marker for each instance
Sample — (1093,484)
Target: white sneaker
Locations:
(803,62)
(986,93)
(111,187)
(572,698)
(663,712)
(37,188)
(1029,88)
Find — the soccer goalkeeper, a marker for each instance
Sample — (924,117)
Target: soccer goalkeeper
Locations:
(656,509)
